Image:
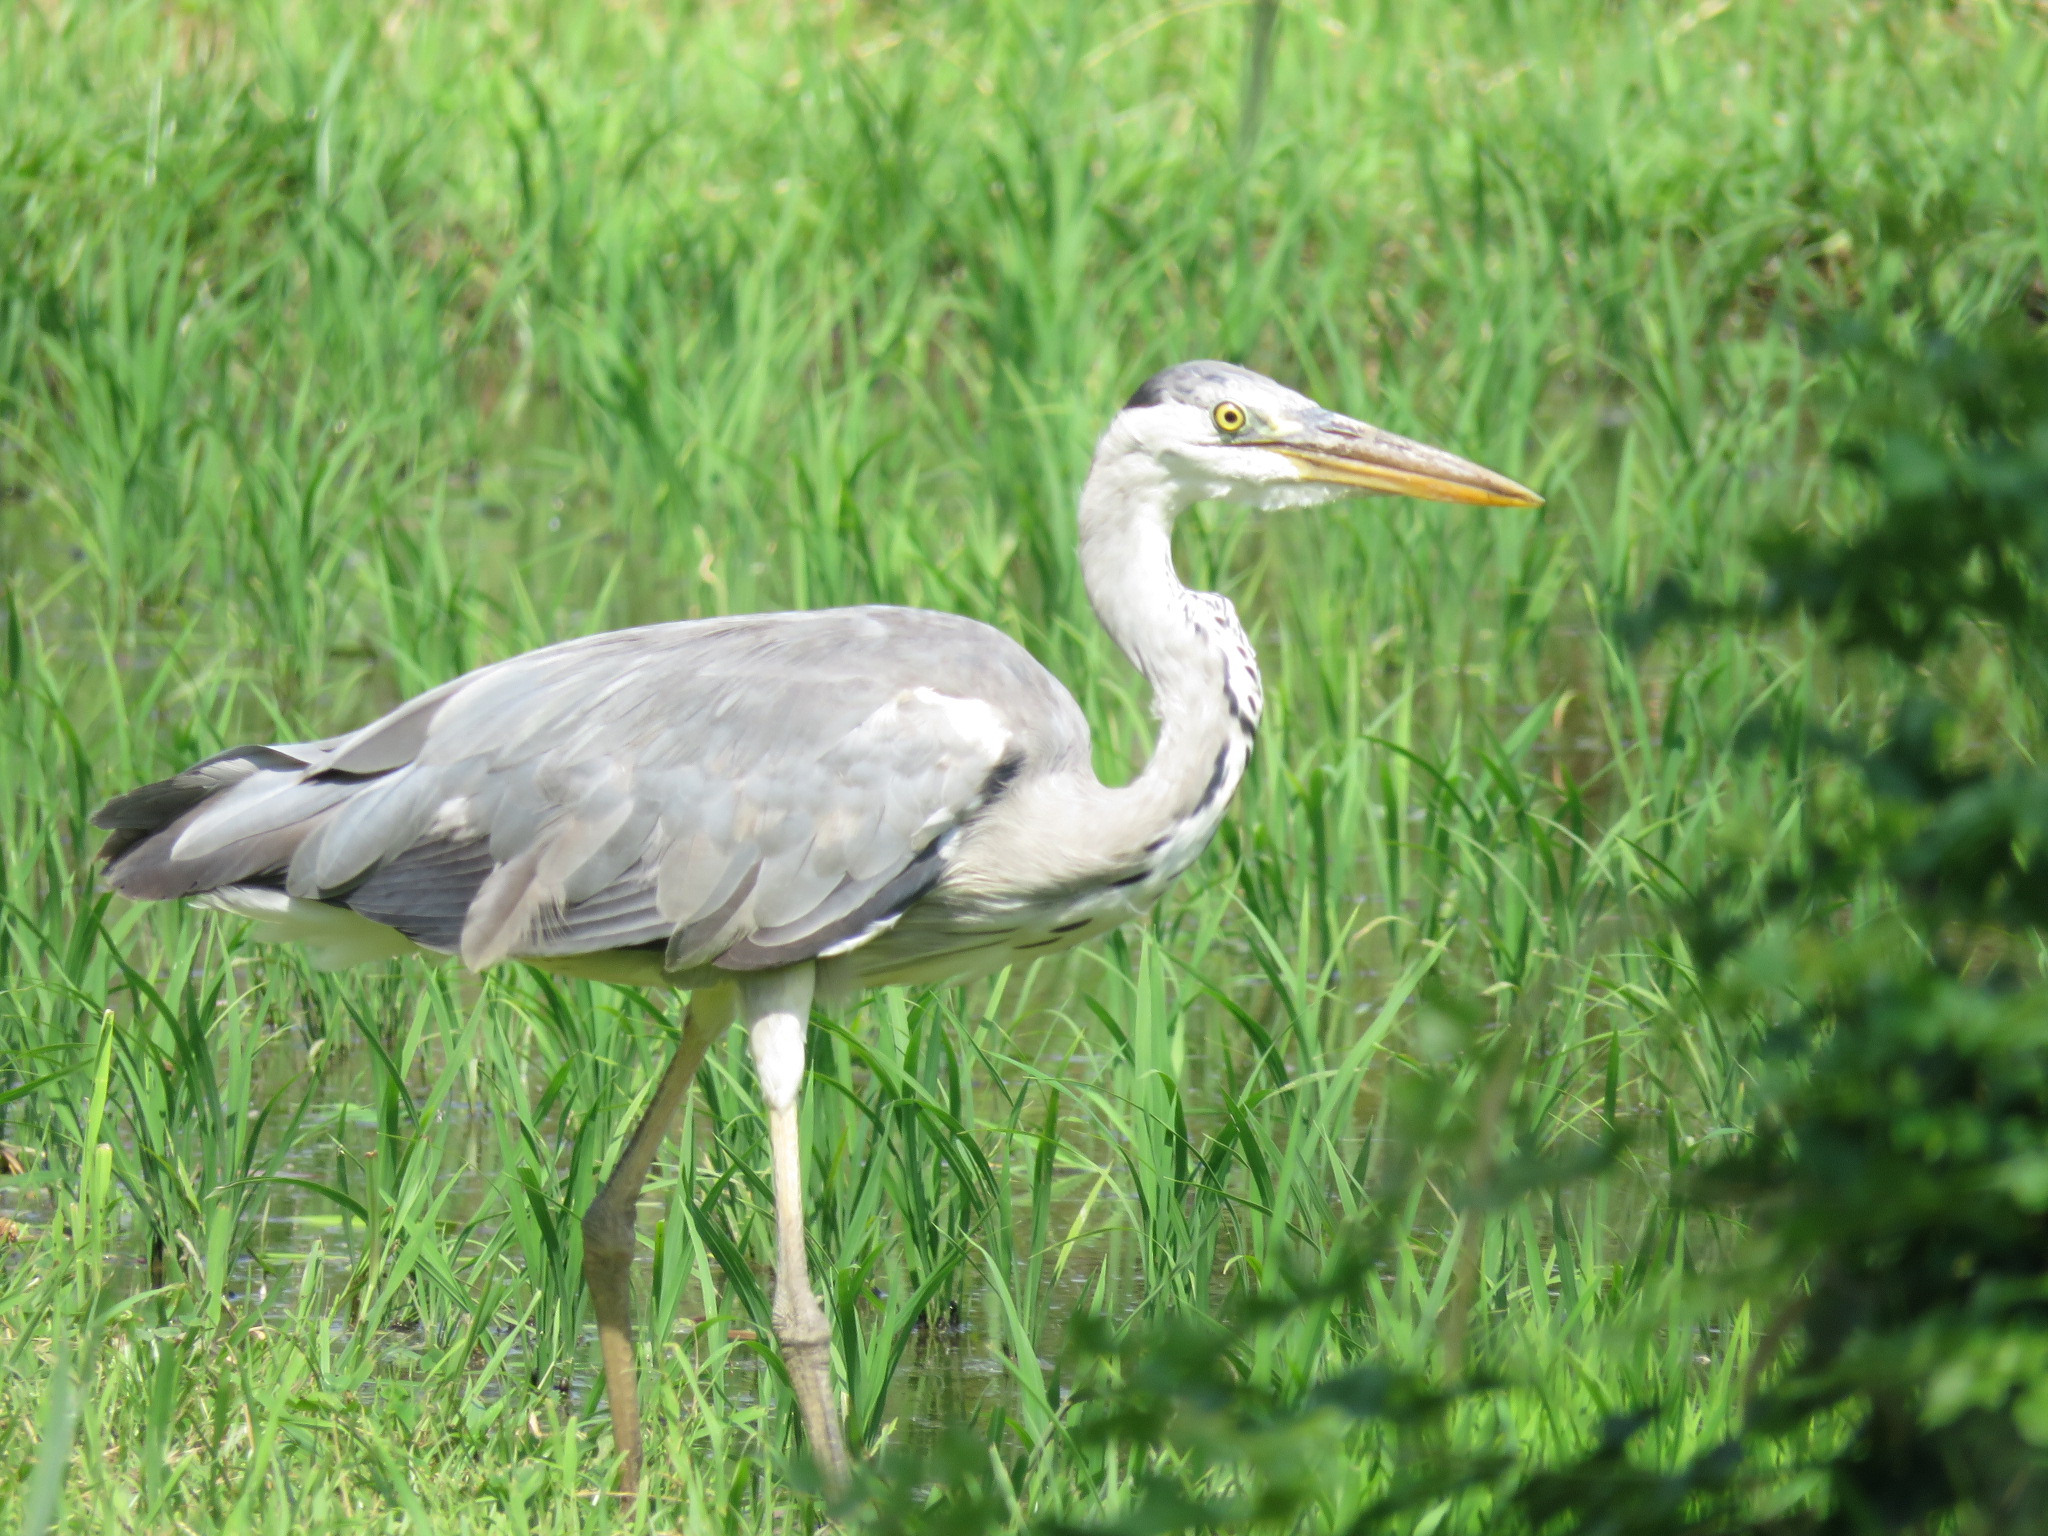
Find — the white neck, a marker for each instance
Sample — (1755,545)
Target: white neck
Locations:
(1188,645)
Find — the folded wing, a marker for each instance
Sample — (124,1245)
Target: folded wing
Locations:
(742,793)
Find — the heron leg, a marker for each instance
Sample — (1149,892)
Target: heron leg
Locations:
(608,1226)
(778,1007)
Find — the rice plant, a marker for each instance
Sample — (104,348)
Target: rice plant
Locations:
(342,349)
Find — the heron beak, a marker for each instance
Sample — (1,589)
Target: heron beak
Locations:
(1335,450)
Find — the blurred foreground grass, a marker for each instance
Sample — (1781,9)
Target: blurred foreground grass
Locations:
(340,351)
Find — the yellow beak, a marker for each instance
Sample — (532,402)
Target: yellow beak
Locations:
(1336,450)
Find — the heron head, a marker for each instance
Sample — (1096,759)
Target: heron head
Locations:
(1224,433)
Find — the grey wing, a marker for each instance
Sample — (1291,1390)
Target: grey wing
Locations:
(744,793)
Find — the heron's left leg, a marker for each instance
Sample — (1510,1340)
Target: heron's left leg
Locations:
(777,1005)
(608,1226)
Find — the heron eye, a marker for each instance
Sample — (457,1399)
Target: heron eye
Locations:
(1229,417)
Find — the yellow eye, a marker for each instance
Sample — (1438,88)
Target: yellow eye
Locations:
(1229,417)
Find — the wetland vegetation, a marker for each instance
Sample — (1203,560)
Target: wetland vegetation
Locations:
(1451,1101)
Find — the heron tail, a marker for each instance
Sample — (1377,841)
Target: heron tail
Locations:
(158,847)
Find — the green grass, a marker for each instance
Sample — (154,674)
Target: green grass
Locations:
(341,353)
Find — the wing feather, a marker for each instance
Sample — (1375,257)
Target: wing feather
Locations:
(425,892)
(746,792)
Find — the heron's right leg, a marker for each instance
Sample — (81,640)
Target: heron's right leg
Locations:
(608,1226)
(777,1006)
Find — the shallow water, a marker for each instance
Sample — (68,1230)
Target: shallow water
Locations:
(953,1368)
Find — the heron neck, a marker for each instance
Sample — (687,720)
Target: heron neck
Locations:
(1188,645)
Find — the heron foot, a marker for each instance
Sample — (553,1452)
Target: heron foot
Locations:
(608,1238)
(805,1335)
(608,1271)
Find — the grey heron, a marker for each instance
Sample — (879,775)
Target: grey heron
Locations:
(767,808)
